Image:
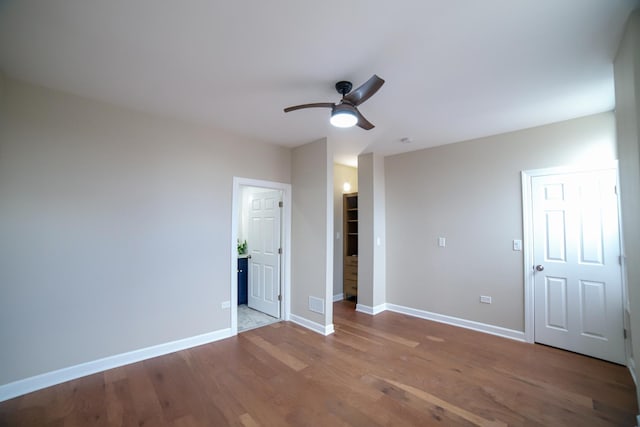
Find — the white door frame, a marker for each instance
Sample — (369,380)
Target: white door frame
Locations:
(527,228)
(285,259)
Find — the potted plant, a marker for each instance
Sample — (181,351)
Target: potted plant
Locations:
(242,247)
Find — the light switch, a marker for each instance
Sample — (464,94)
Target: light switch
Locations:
(442,242)
(337,235)
(517,245)
(378,241)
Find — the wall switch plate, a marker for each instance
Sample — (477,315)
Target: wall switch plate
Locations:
(226,304)
(337,235)
(517,245)
(442,242)
(485,299)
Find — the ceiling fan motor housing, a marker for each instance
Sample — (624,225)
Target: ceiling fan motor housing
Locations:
(344,87)
(344,108)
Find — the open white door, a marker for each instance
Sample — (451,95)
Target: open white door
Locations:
(263,239)
(577,275)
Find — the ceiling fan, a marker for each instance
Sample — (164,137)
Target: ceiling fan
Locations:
(345,114)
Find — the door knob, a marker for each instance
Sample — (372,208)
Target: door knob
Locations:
(539,267)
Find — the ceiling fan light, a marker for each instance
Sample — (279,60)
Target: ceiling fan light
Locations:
(343,119)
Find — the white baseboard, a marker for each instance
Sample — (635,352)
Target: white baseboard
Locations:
(631,365)
(338,297)
(455,321)
(371,310)
(315,327)
(27,385)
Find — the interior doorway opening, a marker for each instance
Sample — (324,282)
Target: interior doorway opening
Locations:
(260,253)
(345,226)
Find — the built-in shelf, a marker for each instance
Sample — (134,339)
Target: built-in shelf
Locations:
(350,223)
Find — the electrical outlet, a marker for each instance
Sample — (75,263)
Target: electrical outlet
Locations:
(485,299)
(442,242)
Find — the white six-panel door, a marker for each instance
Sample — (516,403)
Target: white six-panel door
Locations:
(264,243)
(577,274)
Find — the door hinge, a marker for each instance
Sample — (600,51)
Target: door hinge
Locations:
(279,251)
(624,333)
(280,204)
(620,259)
(279,297)
(615,189)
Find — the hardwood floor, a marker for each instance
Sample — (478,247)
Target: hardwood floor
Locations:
(386,370)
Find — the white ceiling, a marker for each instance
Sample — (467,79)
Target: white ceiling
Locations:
(454,69)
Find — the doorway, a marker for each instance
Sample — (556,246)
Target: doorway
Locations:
(260,253)
(574,296)
(345,181)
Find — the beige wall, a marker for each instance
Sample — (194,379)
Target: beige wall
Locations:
(470,193)
(312,231)
(115,228)
(371,231)
(341,174)
(627,78)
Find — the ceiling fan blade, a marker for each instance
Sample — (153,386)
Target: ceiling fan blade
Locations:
(364,92)
(314,105)
(362,122)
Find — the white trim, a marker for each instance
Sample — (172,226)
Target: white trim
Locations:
(631,365)
(285,260)
(371,310)
(527,246)
(338,297)
(328,287)
(527,238)
(455,321)
(628,351)
(560,170)
(315,327)
(48,379)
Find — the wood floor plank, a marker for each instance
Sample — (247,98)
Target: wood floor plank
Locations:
(384,370)
(118,402)
(248,421)
(89,404)
(441,404)
(148,410)
(378,333)
(277,353)
(218,406)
